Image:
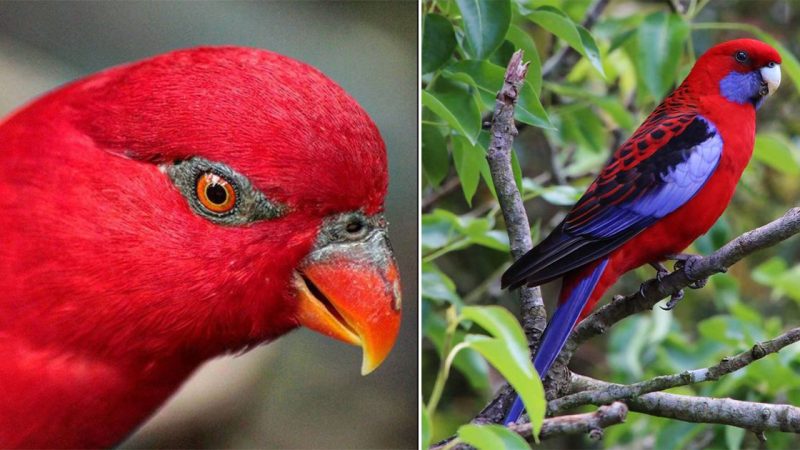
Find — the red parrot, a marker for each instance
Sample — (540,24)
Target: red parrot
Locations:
(661,190)
(165,212)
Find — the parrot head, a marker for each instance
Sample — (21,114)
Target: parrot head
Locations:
(743,71)
(203,202)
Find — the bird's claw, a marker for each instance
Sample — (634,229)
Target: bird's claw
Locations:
(698,284)
(661,270)
(685,262)
(673,301)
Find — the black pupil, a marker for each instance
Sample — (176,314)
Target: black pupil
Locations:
(354,227)
(216,194)
(741,56)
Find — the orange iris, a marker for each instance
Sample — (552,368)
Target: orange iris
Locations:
(215,193)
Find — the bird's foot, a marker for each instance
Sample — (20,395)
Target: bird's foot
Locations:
(673,301)
(686,261)
(661,270)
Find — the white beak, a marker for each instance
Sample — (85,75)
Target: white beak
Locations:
(771,74)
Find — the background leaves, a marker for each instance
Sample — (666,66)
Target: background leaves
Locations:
(611,76)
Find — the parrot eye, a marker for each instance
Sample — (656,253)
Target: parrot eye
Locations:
(741,56)
(354,226)
(218,193)
(215,193)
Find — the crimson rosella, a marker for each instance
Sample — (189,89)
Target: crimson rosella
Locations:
(662,189)
(161,213)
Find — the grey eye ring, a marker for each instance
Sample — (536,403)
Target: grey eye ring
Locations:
(219,194)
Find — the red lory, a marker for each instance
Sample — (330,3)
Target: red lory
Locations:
(661,190)
(168,211)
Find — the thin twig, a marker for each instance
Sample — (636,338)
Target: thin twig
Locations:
(624,392)
(503,132)
(752,416)
(622,307)
(590,423)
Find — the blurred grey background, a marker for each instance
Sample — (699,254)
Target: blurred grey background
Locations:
(304,390)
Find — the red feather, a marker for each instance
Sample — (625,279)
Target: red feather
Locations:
(114,291)
(609,232)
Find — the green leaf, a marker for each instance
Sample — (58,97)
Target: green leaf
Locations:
(777,152)
(491,437)
(776,274)
(734,437)
(485,24)
(435,159)
(676,435)
(438,229)
(468,362)
(488,79)
(438,42)
(524,42)
(503,54)
(768,271)
(517,170)
(589,129)
(486,173)
(611,105)
(468,160)
(494,239)
(457,106)
(426,425)
(557,22)
(660,38)
(507,350)
(439,287)
(561,195)
(725,329)
(590,50)
(627,343)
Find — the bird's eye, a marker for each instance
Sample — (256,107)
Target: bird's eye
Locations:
(354,226)
(741,56)
(215,193)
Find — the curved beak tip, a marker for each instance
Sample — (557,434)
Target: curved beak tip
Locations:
(352,301)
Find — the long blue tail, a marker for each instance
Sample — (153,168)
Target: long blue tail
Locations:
(558,330)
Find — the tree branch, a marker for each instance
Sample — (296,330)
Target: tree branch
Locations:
(503,132)
(728,365)
(754,416)
(589,423)
(654,291)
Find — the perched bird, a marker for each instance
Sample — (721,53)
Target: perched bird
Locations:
(662,189)
(164,212)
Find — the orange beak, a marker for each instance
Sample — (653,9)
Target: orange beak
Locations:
(351,292)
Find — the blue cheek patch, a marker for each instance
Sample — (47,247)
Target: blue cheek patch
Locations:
(741,88)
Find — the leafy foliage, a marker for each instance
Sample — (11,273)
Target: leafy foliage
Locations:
(585,92)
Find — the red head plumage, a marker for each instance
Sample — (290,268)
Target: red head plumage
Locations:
(113,261)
